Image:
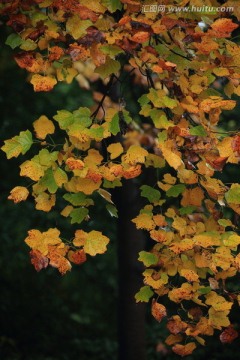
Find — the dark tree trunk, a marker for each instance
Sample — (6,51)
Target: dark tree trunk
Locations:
(130,242)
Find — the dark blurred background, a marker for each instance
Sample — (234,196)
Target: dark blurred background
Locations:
(46,316)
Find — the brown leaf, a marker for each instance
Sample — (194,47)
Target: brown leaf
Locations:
(158,311)
(38,260)
(228,335)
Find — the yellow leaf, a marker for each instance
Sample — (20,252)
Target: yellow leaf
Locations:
(67,210)
(43,127)
(144,221)
(80,238)
(87,186)
(207,239)
(218,319)
(135,154)
(170,156)
(190,275)
(95,243)
(31,169)
(45,201)
(223,258)
(40,241)
(19,193)
(66,74)
(185,292)
(115,150)
(43,83)
(93,158)
(208,104)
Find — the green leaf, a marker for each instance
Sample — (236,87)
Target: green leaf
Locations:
(45,158)
(49,182)
(225,222)
(96,133)
(28,45)
(25,140)
(204,290)
(82,116)
(159,119)
(112,184)
(18,144)
(64,119)
(187,210)
(114,127)
(127,117)
(169,102)
(162,49)
(233,195)
(78,215)
(198,131)
(77,27)
(150,193)
(13,40)
(148,258)
(112,5)
(78,199)
(112,210)
(175,190)
(111,50)
(144,294)
(110,67)
(143,100)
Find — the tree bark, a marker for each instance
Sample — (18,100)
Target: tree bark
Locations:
(130,242)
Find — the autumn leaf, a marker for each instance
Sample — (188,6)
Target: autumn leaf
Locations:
(228,335)
(43,127)
(223,27)
(95,243)
(77,257)
(19,144)
(184,350)
(18,194)
(115,150)
(40,241)
(144,294)
(38,260)
(135,154)
(43,83)
(158,311)
(147,258)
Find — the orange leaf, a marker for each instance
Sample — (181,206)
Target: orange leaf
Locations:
(158,311)
(223,27)
(140,37)
(77,257)
(43,83)
(184,350)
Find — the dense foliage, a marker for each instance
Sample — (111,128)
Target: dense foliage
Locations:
(187,69)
